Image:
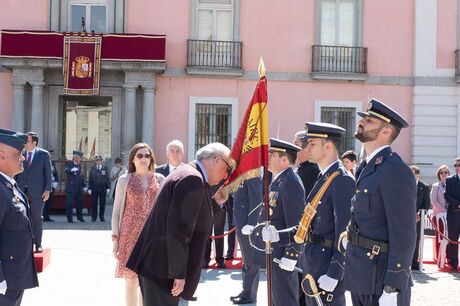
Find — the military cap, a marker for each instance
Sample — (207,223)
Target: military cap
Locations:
(77,153)
(278,145)
(379,110)
(323,130)
(14,139)
(98,157)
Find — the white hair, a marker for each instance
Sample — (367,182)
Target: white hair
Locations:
(175,143)
(212,150)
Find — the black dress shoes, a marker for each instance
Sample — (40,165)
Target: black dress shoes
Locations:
(48,220)
(236,296)
(70,221)
(242,300)
(194,299)
(81,219)
(229,257)
(102,220)
(221,265)
(38,249)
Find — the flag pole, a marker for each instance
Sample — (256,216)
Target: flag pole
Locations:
(268,256)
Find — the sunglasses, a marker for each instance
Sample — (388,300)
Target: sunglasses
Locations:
(457,165)
(140,155)
(444,172)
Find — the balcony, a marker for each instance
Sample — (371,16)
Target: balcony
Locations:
(457,65)
(339,63)
(212,57)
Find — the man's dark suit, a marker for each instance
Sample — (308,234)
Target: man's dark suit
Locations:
(35,180)
(308,173)
(74,189)
(172,242)
(423,202)
(49,203)
(163,169)
(17,265)
(98,183)
(452,197)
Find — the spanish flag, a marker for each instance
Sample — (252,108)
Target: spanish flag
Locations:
(250,151)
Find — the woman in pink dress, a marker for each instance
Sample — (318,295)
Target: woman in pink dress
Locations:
(134,197)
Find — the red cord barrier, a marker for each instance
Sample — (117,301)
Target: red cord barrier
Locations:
(442,234)
(224,234)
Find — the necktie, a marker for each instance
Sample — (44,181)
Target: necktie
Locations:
(361,167)
(352,171)
(98,168)
(29,159)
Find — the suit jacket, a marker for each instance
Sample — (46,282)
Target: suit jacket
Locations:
(308,173)
(331,219)
(423,196)
(246,200)
(17,264)
(37,178)
(452,194)
(75,181)
(163,169)
(172,242)
(99,181)
(383,209)
(437,198)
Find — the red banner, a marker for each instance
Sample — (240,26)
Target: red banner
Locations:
(82,64)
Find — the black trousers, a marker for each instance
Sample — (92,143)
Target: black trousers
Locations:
(74,197)
(415,262)
(373,300)
(154,295)
(218,221)
(11,297)
(453,228)
(231,237)
(95,198)
(47,207)
(36,210)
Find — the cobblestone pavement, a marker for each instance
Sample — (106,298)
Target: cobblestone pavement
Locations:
(82,273)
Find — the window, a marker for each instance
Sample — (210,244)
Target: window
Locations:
(338,22)
(211,119)
(215,20)
(344,117)
(94,16)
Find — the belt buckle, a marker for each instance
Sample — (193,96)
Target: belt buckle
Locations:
(329,297)
(375,251)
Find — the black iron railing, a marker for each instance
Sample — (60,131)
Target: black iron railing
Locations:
(457,62)
(339,59)
(214,53)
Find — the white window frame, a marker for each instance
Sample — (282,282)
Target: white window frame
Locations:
(357,105)
(88,4)
(193,101)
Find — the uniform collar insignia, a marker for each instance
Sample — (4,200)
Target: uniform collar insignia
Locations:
(326,176)
(8,184)
(379,160)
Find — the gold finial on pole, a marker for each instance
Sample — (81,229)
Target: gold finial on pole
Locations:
(262,71)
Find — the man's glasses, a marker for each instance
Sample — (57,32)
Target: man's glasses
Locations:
(229,167)
(140,155)
(457,165)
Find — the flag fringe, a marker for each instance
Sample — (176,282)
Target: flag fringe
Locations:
(233,186)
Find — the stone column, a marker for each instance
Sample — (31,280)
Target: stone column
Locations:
(129,118)
(148,115)
(37,109)
(18,108)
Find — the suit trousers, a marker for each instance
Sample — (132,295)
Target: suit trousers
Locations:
(154,295)
(231,237)
(250,271)
(453,228)
(36,210)
(373,300)
(47,207)
(218,221)
(11,297)
(415,262)
(285,287)
(95,197)
(74,198)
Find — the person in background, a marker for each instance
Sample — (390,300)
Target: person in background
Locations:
(135,195)
(423,202)
(35,181)
(17,268)
(175,155)
(452,196)
(117,170)
(349,159)
(54,184)
(98,188)
(168,255)
(74,187)
(231,238)
(307,170)
(439,204)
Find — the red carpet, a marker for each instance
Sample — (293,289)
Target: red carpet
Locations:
(231,264)
(42,260)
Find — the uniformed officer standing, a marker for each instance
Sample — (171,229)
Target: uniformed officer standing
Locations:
(74,187)
(98,187)
(381,234)
(287,202)
(17,265)
(322,259)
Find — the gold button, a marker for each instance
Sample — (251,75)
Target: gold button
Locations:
(368,254)
(323,250)
(398,265)
(257,234)
(11,257)
(365,190)
(292,254)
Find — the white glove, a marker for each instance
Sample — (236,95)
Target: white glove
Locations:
(270,234)
(108,191)
(3,287)
(388,299)
(344,243)
(74,169)
(247,229)
(327,283)
(54,184)
(85,189)
(89,191)
(287,264)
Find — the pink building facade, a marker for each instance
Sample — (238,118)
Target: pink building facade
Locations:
(325,59)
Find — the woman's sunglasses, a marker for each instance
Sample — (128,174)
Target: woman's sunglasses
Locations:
(140,155)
